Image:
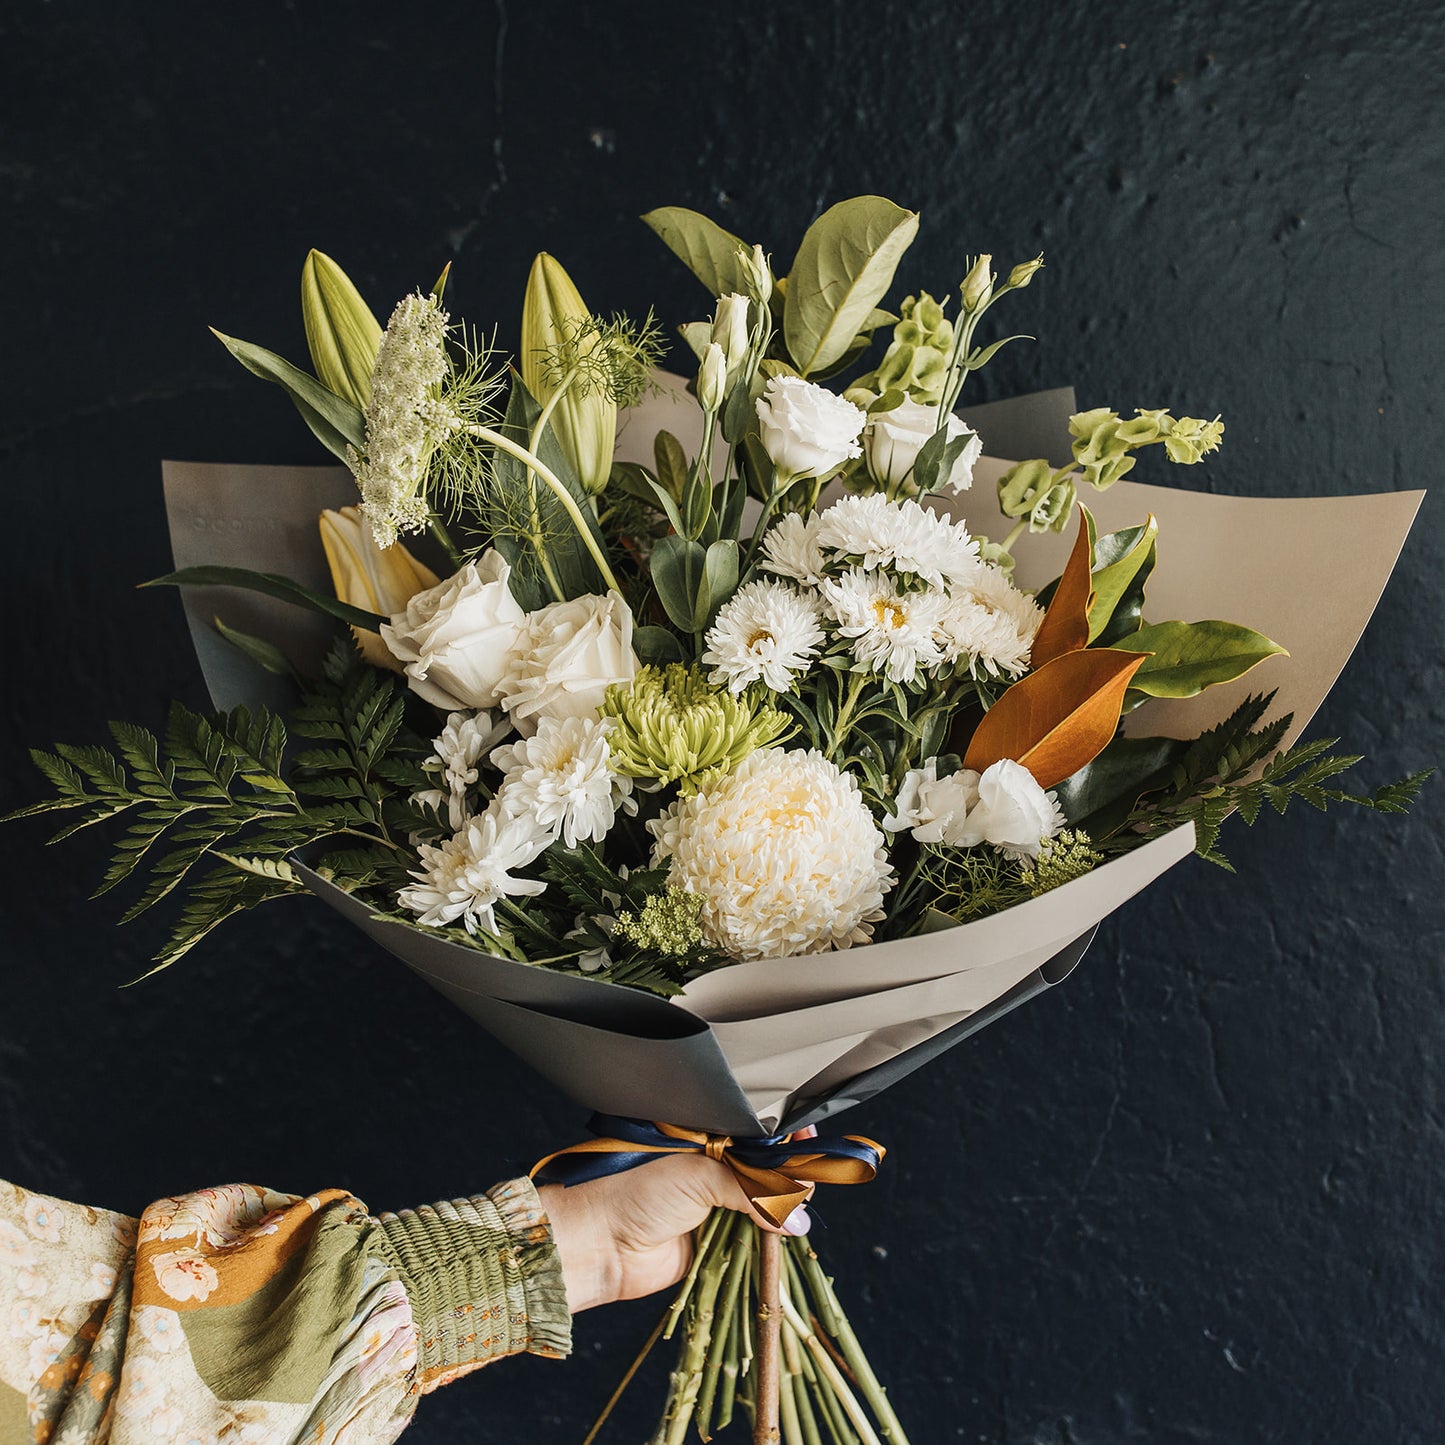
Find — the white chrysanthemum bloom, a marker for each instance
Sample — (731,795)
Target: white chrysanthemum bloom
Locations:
(766,631)
(790,549)
(1013,812)
(900,536)
(467,875)
(784,854)
(892,632)
(561,777)
(405,419)
(934,809)
(456,754)
(991,622)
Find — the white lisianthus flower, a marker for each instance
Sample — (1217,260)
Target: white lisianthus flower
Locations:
(894,439)
(561,777)
(565,657)
(892,632)
(991,622)
(898,536)
(933,809)
(1013,812)
(731,329)
(453,639)
(807,430)
(465,877)
(766,631)
(456,754)
(784,854)
(790,549)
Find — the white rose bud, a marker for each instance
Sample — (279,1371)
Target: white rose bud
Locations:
(807,430)
(895,438)
(712,378)
(1013,812)
(731,331)
(454,638)
(565,657)
(934,808)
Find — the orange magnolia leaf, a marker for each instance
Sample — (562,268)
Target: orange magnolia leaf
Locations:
(1056,719)
(1065,627)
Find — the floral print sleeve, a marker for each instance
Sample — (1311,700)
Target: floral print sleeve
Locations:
(240,1315)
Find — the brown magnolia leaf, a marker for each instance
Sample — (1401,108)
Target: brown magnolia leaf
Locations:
(1065,627)
(1056,719)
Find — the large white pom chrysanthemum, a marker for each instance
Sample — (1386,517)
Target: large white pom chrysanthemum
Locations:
(562,777)
(991,623)
(766,631)
(901,536)
(784,854)
(892,632)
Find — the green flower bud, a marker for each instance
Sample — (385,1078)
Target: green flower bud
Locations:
(668,924)
(759,275)
(341,333)
(712,379)
(977,286)
(1023,273)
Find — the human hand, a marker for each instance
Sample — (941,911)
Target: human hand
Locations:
(630,1234)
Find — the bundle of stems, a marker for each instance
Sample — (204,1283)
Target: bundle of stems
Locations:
(764,1337)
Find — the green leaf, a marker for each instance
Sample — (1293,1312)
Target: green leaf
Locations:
(341,333)
(677,571)
(264,654)
(981,357)
(720,579)
(439,286)
(657,645)
(273,585)
(671,464)
(335,421)
(1103,793)
(713,255)
(1190,656)
(1121,560)
(843,268)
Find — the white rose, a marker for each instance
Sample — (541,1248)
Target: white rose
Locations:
(895,438)
(934,808)
(565,657)
(807,430)
(1013,812)
(454,638)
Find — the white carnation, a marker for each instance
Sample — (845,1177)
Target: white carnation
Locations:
(1013,812)
(892,632)
(900,536)
(561,777)
(790,549)
(784,854)
(991,622)
(766,631)
(806,429)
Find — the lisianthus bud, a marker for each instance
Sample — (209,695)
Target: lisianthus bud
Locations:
(978,284)
(712,379)
(730,331)
(1023,273)
(807,431)
(759,275)
(365,575)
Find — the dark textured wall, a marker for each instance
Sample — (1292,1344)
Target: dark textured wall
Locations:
(1191,1196)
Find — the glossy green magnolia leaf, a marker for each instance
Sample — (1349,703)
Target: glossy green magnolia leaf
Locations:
(843,269)
(273,585)
(335,421)
(1187,657)
(341,333)
(715,256)
(1101,795)
(1119,558)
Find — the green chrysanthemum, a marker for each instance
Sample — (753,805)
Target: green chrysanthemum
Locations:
(668,924)
(1062,858)
(671,725)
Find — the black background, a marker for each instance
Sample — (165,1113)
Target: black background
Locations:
(1192,1195)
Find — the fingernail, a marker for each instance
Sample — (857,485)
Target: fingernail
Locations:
(799,1221)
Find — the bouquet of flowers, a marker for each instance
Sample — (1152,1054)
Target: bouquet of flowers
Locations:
(729,746)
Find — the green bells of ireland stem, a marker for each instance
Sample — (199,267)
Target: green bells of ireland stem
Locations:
(341,333)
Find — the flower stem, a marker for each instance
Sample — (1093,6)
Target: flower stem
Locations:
(770,1320)
(439,531)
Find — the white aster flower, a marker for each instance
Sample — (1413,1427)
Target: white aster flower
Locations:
(562,779)
(467,875)
(1013,812)
(790,549)
(784,854)
(767,631)
(405,419)
(991,622)
(901,536)
(934,809)
(457,756)
(892,632)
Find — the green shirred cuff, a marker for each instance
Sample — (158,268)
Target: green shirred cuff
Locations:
(483,1278)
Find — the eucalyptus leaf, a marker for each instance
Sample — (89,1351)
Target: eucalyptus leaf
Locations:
(1187,657)
(677,571)
(671,463)
(843,268)
(273,585)
(657,646)
(720,579)
(713,255)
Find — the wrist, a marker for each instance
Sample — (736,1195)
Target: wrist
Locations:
(586,1251)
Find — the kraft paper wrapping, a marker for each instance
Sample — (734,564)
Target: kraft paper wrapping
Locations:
(785,1042)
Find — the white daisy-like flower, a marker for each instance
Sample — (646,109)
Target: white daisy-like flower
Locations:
(767,631)
(466,876)
(892,632)
(457,756)
(991,622)
(405,419)
(784,854)
(790,549)
(562,778)
(900,536)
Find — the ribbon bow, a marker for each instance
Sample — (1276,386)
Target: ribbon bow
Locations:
(776,1175)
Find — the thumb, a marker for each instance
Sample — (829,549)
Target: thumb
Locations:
(713,1184)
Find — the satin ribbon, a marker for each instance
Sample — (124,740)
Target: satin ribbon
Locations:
(776,1174)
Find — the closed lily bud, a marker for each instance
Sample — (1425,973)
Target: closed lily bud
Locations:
(978,284)
(1023,273)
(712,379)
(730,331)
(365,575)
(341,333)
(556,324)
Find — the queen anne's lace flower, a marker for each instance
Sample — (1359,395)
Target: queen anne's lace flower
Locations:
(990,622)
(405,419)
(902,537)
(892,632)
(467,875)
(783,853)
(766,631)
(561,778)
